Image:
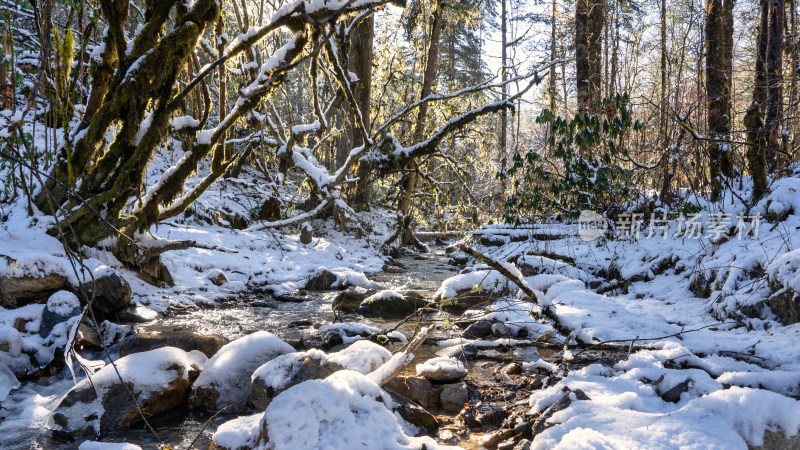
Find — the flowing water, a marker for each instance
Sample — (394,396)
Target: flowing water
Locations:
(26,410)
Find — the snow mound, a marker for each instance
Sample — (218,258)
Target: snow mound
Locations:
(63,303)
(361,356)
(344,411)
(241,432)
(486,280)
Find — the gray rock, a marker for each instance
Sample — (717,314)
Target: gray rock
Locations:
(478,330)
(208,344)
(544,337)
(512,369)
(112,294)
(304,368)
(502,330)
(777,440)
(321,282)
(674,395)
(454,396)
(61,306)
(20,291)
(523,444)
(418,389)
(226,378)
(349,299)
(390,304)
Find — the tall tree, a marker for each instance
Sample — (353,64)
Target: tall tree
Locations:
(774,63)
(409,180)
(589,19)
(719,57)
(360,63)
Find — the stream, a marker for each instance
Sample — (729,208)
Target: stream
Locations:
(26,410)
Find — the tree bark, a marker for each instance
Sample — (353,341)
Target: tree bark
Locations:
(361,52)
(552,89)
(774,107)
(718,91)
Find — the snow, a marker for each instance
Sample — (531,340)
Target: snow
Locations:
(240,432)
(624,412)
(342,411)
(63,303)
(361,356)
(487,280)
(442,367)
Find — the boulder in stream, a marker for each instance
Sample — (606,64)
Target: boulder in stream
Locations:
(112,294)
(442,368)
(348,300)
(226,378)
(159,379)
(454,396)
(208,344)
(391,304)
(60,307)
(418,389)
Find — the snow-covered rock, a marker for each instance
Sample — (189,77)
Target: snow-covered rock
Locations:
(18,290)
(442,368)
(291,369)
(240,433)
(466,290)
(159,379)
(226,379)
(60,307)
(346,410)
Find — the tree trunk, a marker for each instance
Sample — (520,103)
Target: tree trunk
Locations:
(595,48)
(718,86)
(582,67)
(361,64)
(774,107)
(409,180)
(589,18)
(503,145)
(552,89)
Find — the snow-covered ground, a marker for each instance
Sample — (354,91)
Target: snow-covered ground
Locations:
(740,372)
